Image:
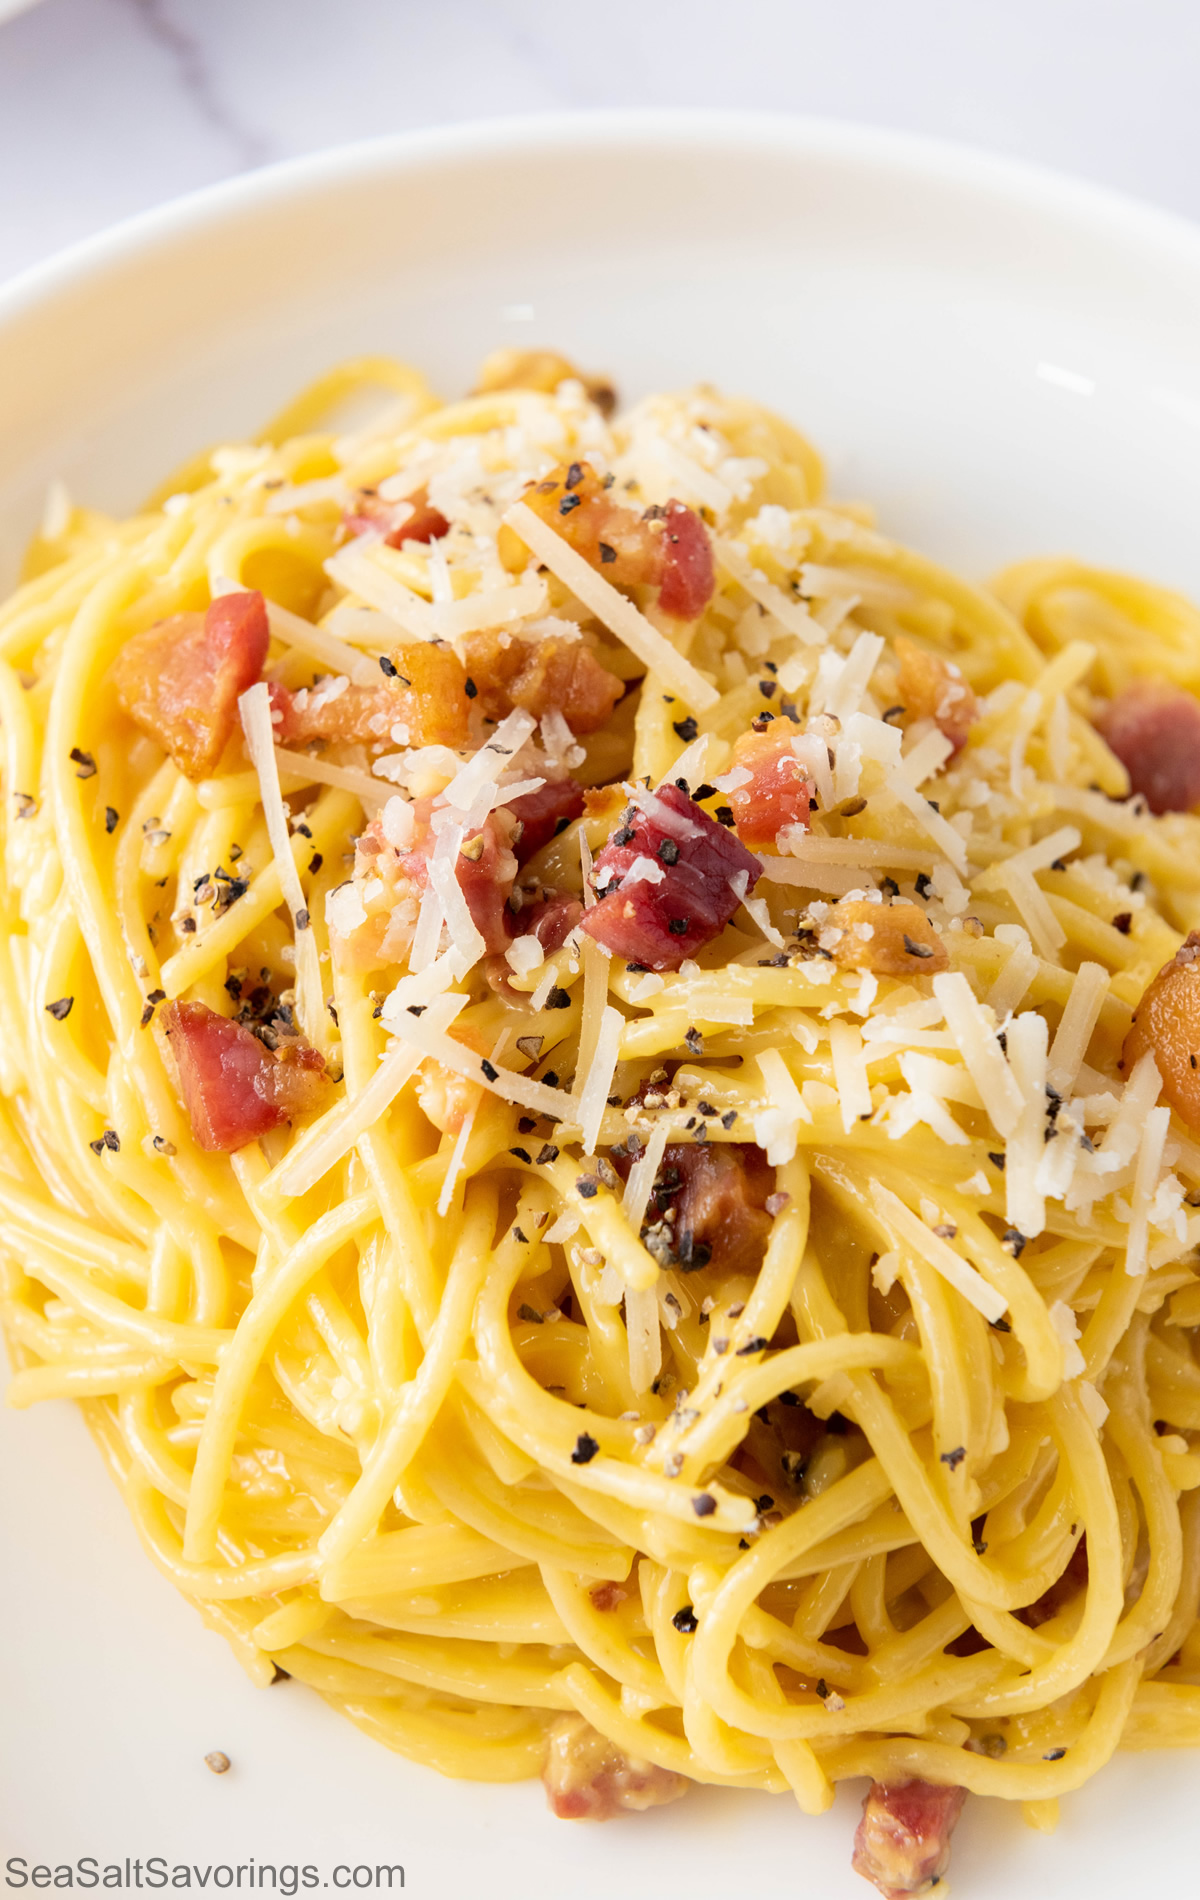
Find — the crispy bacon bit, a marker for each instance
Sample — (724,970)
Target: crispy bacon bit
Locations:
(233,1088)
(542,370)
(587,1778)
(890,939)
(547,675)
(903,1839)
(180,680)
(688,576)
(670,551)
(426,693)
(778,793)
(933,688)
(658,921)
(718,1194)
(1167,1020)
(1154,729)
(543,814)
(398,521)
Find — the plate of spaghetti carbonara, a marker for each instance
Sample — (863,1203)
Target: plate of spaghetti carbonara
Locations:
(599,1100)
(630,1040)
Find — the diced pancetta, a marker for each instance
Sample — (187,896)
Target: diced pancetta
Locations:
(778,792)
(485,868)
(550,918)
(180,681)
(709,1205)
(587,1778)
(431,692)
(903,1839)
(425,693)
(1154,729)
(688,574)
(658,922)
(888,939)
(553,674)
(933,688)
(666,548)
(541,815)
(398,521)
(233,1088)
(1167,1021)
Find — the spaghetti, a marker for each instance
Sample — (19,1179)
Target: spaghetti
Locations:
(572,1107)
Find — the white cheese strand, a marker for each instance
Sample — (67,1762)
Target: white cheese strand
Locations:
(619,615)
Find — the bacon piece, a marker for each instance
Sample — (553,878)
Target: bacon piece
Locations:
(890,939)
(658,921)
(587,1778)
(1154,729)
(688,575)
(779,792)
(547,675)
(933,688)
(415,519)
(551,921)
(667,548)
(903,1839)
(1167,1021)
(427,693)
(485,869)
(542,370)
(233,1088)
(431,692)
(543,814)
(180,680)
(719,1195)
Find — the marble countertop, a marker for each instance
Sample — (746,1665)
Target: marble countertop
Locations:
(110,106)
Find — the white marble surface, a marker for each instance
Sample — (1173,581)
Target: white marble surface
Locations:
(109,106)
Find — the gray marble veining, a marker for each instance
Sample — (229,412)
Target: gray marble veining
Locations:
(108,106)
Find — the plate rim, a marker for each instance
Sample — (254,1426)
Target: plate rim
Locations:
(1041,189)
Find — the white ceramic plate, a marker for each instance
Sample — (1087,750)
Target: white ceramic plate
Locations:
(1007,364)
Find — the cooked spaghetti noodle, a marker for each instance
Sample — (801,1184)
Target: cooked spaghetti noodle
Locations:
(762,1359)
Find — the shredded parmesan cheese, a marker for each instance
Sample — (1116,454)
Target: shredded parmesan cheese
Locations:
(619,615)
(939,1254)
(975,1039)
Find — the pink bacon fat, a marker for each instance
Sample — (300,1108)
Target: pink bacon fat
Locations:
(903,1840)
